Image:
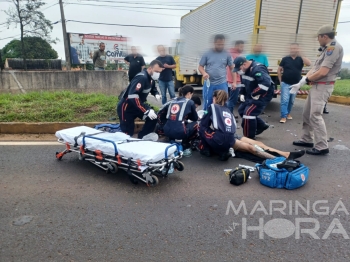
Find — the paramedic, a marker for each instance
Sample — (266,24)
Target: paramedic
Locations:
(217,128)
(255,95)
(223,137)
(132,103)
(181,111)
(164,110)
(321,78)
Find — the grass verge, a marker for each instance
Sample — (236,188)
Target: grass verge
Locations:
(61,106)
(341,88)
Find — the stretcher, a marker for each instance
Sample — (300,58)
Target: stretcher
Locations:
(142,160)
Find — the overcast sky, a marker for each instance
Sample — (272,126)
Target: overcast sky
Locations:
(146,38)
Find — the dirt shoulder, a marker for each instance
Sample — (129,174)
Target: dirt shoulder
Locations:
(28,137)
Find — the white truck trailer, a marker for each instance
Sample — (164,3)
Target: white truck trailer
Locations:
(273,23)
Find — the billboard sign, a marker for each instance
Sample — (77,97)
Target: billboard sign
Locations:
(83,46)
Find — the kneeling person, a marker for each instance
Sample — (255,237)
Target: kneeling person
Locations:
(180,112)
(163,111)
(257,92)
(217,128)
(132,104)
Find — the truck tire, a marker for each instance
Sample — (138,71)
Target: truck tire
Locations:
(177,84)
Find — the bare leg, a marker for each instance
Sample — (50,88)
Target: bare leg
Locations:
(246,147)
(263,146)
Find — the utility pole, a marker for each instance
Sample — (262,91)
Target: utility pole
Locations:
(65,39)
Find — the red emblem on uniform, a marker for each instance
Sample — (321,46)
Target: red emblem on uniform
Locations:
(228,122)
(138,86)
(175,108)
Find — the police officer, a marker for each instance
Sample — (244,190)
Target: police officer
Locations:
(256,92)
(321,78)
(132,103)
(217,128)
(177,126)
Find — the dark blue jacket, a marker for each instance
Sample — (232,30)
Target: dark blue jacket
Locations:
(179,110)
(137,91)
(257,81)
(218,124)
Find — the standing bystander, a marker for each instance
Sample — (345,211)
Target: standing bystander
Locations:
(291,66)
(166,76)
(99,57)
(213,68)
(234,80)
(136,63)
(258,56)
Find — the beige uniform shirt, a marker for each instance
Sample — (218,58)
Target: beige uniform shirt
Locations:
(331,56)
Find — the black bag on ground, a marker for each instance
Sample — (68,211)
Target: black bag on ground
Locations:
(239,176)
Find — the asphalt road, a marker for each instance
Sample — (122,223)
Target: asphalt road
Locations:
(70,210)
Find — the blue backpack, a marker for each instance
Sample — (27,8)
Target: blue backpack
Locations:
(272,176)
(111,128)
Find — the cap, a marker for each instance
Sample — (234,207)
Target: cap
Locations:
(238,62)
(325,29)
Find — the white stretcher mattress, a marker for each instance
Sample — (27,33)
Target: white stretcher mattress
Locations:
(146,151)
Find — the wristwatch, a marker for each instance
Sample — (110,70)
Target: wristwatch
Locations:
(307,81)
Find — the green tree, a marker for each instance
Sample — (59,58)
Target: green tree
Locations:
(344,73)
(31,20)
(37,48)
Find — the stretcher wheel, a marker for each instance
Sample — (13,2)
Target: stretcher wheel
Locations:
(133,179)
(58,156)
(113,168)
(81,157)
(179,166)
(155,181)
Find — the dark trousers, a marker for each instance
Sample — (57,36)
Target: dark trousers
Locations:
(216,142)
(251,122)
(191,133)
(127,120)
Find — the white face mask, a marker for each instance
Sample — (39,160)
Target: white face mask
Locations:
(240,72)
(155,75)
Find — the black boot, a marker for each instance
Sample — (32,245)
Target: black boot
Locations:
(295,155)
(325,110)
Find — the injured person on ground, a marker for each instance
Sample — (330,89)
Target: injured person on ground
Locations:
(218,134)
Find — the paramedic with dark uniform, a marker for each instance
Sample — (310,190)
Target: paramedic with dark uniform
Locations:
(163,111)
(256,92)
(132,103)
(177,126)
(217,128)
(321,78)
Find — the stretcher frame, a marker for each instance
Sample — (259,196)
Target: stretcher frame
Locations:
(112,163)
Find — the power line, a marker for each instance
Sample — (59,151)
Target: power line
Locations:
(49,7)
(139,7)
(343,22)
(134,3)
(19,34)
(9,37)
(146,26)
(145,12)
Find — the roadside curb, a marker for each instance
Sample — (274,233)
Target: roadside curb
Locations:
(48,128)
(342,100)
(51,128)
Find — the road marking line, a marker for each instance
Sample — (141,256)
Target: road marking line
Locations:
(27,143)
